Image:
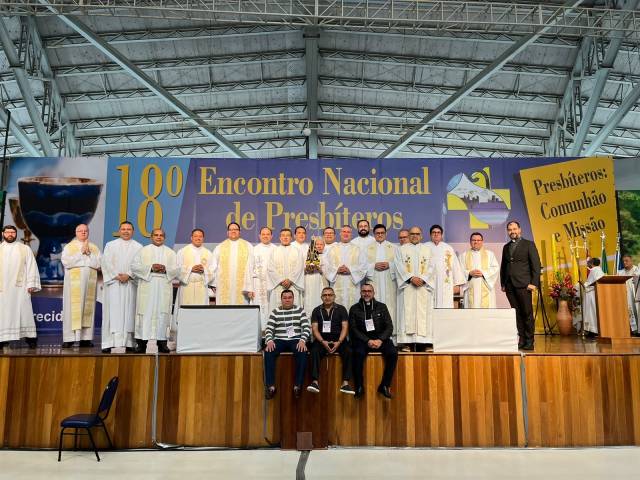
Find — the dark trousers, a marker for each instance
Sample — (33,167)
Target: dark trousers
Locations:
(318,352)
(360,352)
(520,299)
(270,361)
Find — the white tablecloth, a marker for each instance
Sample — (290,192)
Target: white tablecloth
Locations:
(475,330)
(213,329)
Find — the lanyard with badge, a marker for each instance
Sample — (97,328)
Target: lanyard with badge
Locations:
(291,331)
(326,324)
(368,322)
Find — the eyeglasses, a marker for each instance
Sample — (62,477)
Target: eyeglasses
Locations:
(415,233)
(379,233)
(327,295)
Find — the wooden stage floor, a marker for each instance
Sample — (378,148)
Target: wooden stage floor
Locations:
(567,392)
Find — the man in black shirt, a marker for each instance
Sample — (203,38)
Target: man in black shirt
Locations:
(371,329)
(330,325)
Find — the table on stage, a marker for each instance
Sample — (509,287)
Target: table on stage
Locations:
(475,330)
(218,328)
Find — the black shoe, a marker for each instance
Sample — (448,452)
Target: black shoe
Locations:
(297,391)
(527,346)
(359,392)
(270,392)
(141,346)
(347,389)
(385,391)
(67,344)
(3,344)
(314,387)
(32,343)
(106,350)
(162,346)
(86,343)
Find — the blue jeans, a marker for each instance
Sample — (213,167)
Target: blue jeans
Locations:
(271,357)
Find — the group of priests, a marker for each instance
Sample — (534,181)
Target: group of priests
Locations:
(411,278)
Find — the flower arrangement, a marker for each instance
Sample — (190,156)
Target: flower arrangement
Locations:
(563,289)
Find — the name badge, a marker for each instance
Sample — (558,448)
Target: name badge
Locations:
(326,326)
(291,332)
(368,324)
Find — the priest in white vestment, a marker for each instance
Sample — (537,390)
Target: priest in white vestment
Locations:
(314,279)
(415,277)
(195,262)
(346,267)
(629,269)
(446,267)
(590,310)
(300,240)
(234,269)
(381,270)
(285,271)
(155,266)
(364,240)
(481,269)
(329,235)
(19,278)
(261,254)
(81,260)
(120,290)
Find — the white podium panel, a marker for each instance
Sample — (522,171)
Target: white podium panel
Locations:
(475,330)
(216,329)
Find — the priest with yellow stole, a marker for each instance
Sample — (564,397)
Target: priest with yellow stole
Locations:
(234,269)
(81,260)
(481,269)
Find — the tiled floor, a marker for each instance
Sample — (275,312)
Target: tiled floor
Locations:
(361,463)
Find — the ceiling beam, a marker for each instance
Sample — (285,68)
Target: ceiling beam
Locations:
(602,76)
(487,72)
(25,89)
(311,35)
(147,81)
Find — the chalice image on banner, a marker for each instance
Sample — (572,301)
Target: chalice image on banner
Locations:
(52,207)
(18,220)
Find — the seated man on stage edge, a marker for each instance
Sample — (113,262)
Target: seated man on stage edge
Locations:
(330,327)
(370,327)
(287,330)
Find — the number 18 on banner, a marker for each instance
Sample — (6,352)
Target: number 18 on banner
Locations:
(146,192)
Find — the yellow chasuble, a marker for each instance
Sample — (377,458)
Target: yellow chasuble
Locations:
(196,289)
(82,309)
(484,290)
(223,289)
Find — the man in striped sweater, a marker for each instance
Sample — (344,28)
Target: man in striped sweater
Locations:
(288,330)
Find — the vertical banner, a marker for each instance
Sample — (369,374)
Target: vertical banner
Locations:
(569,203)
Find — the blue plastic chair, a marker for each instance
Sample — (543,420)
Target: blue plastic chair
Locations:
(87,421)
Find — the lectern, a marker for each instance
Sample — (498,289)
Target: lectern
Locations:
(611,304)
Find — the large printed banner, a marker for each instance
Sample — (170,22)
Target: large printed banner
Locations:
(48,197)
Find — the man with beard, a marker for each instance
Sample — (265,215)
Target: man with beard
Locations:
(155,266)
(363,239)
(120,290)
(519,278)
(19,278)
(81,260)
